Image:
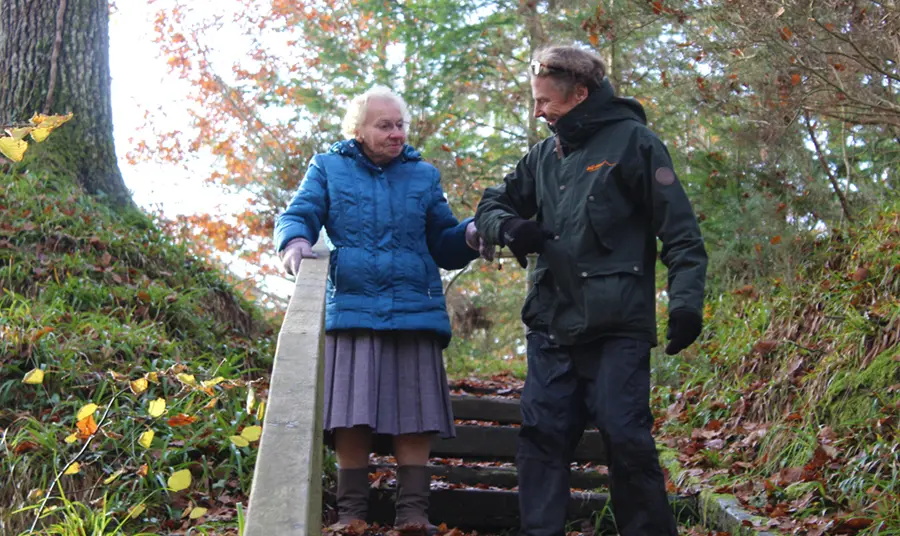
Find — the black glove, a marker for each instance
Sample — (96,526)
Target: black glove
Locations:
(523,237)
(684,328)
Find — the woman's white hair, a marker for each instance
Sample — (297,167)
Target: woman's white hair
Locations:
(356,110)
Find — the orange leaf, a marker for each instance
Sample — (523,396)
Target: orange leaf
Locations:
(181,420)
(594,39)
(775,240)
(39,334)
(657,8)
(459,162)
(86,427)
(795,79)
(445,147)
(143,296)
(785,33)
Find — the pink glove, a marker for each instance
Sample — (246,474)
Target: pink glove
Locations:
(295,251)
(476,242)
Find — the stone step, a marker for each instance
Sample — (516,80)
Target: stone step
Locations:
(496,443)
(498,510)
(500,477)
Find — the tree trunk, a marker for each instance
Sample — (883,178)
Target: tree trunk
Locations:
(54,59)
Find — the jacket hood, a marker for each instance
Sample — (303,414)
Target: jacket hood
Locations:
(352,149)
(602,108)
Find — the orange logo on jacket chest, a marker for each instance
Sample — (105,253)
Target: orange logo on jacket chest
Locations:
(595,167)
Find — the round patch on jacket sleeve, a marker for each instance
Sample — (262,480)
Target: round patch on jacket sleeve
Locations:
(664,176)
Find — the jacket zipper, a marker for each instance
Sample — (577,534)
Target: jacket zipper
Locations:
(334,286)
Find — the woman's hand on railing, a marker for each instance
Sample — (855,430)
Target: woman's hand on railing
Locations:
(295,251)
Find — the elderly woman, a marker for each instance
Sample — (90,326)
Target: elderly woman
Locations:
(385,317)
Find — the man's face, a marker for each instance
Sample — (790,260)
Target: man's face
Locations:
(382,134)
(550,101)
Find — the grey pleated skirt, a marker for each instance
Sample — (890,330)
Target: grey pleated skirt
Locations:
(391,381)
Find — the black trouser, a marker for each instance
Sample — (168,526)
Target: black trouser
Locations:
(608,382)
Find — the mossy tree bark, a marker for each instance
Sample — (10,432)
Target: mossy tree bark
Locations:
(54,58)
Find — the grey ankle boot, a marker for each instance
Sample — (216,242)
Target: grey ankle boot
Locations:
(413,491)
(352,494)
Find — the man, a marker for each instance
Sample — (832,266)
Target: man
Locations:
(602,189)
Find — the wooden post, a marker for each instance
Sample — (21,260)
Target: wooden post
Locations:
(286,494)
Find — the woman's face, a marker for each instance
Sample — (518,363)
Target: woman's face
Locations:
(382,134)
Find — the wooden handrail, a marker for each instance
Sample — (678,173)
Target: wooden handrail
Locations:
(286,494)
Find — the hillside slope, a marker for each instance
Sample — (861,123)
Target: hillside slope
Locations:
(115,315)
(792,401)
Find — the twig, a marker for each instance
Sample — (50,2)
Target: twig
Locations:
(54,58)
(87,443)
(824,162)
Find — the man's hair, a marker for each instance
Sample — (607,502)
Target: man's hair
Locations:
(569,66)
(356,110)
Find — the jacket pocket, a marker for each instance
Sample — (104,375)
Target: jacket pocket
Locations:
(606,211)
(613,297)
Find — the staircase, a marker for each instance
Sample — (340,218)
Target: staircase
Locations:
(474,484)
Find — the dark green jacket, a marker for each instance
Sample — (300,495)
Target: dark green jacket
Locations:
(605,188)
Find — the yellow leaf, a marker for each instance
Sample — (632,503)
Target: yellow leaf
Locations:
(142,470)
(251,400)
(34,377)
(239,441)
(138,386)
(136,510)
(18,133)
(180,480)
(40,134)
(73,469)
(13,149)
(153,377)
(186,378)
(37,118)
(71,438)
(35,494)
(157,407)
(145,439)
(211,404)
(112,477)
(251,433)
(197,512)
(86,410)
(261,411)
(213,382)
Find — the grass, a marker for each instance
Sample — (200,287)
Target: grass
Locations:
(799,378)
(97,299)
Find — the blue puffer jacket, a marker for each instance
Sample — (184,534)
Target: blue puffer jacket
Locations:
(389,229)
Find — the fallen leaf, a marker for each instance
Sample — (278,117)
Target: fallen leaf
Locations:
(239,441)
(142,470)
(71,438)
(136,510)
(251,433)
(72,469)
(86,410)
(261,411)
(186,378)
(86,427)
(146,439)
(111,478)
(153,377)
(198,512)
(34,377)
(181,420)
(138,386)
(179,480)
(213,382)
(157,407)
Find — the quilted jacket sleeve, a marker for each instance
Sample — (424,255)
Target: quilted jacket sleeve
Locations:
(446,235)
(307,211)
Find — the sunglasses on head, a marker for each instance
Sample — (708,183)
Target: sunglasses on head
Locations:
(538,69)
